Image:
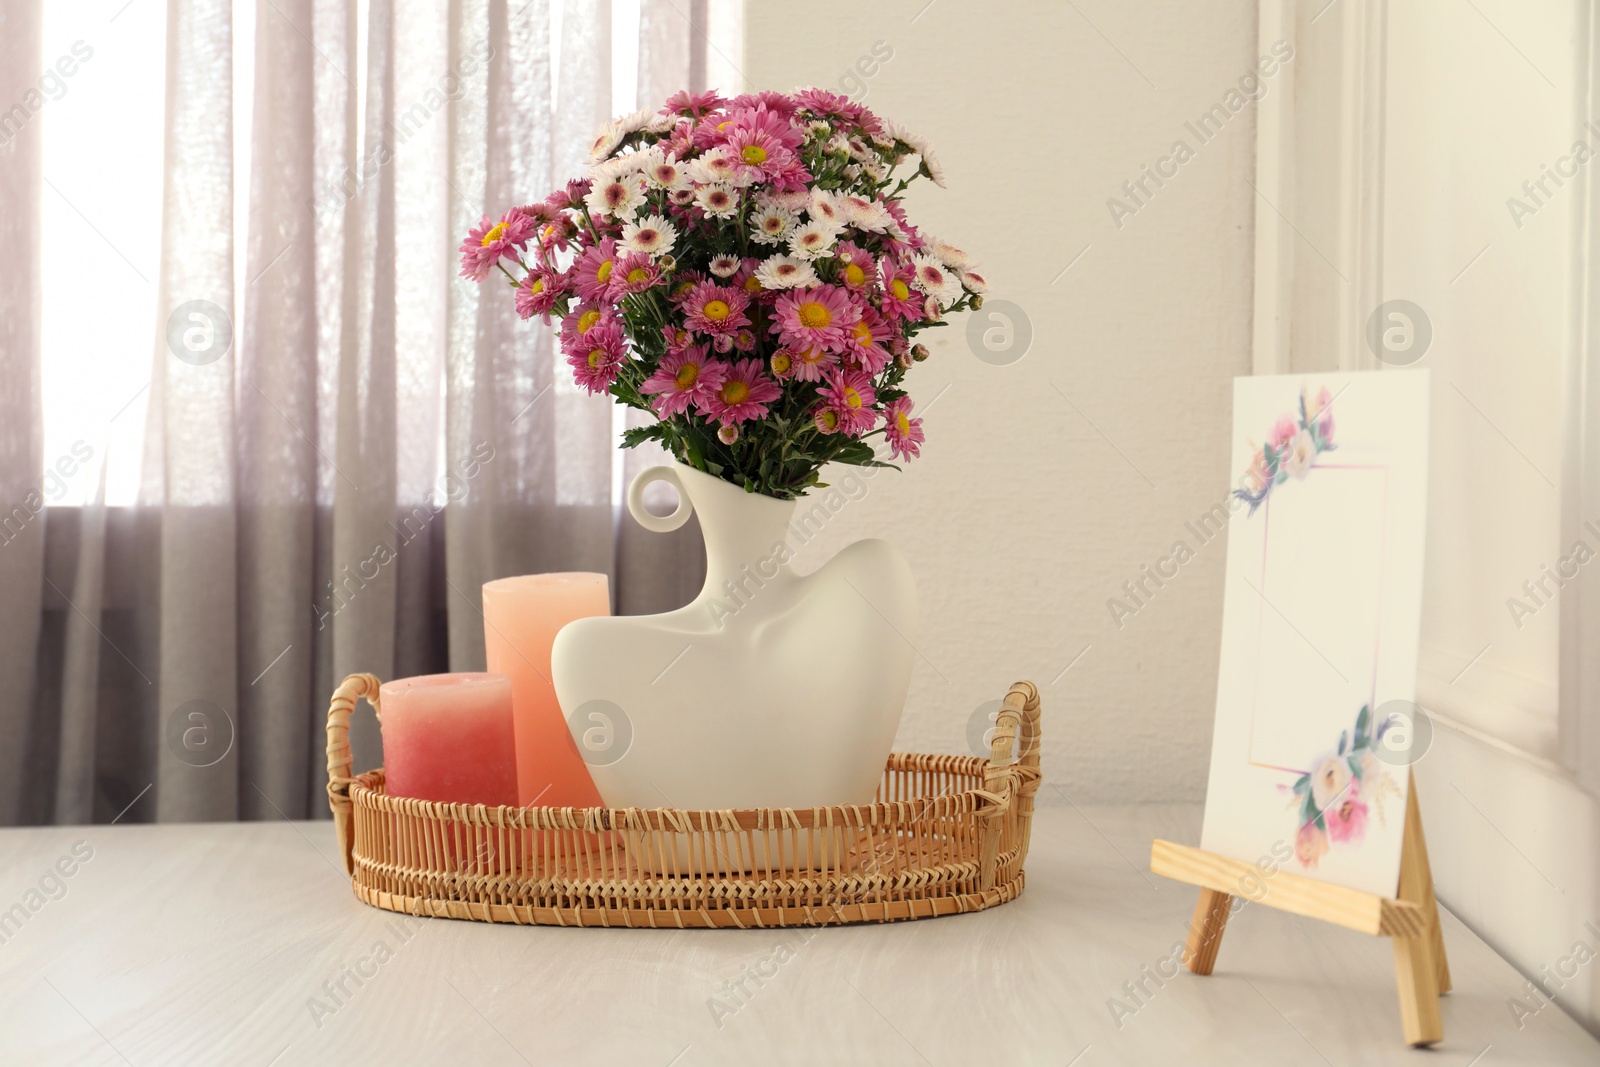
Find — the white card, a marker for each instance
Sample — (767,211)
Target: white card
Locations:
(1321,614)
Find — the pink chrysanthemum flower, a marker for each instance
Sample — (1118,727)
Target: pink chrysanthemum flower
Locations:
(775,102)
(832,105)
(746,278)
(594,363)
(856,268)
(756,154)
(488,241)
(677,338)
(781,364)
(583,319)
(692,105)
(821,315)
(903,432)
(901,303)
(539,292)
(683,284)
(717,310)
(683,378)
(591,274)
(849,394)
(813,363)
(633,273)
(744,394)
(826,420)
(866,342)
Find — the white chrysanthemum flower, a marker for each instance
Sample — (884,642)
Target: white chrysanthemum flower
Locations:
(919,145)
(950,255)
(715,165)
(619,198)
(725,266)
(682,195)
(935,279)
(652,235)
(662,171)
(615,168)
(771,224)
(826,208)
(868,215)
(796,200)
(605,141)
(786,272)
(974,281)
(635,122)
(812,239)
(662,123)
(717,200)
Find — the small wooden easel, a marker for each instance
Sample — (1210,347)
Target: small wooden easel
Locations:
(1412,919)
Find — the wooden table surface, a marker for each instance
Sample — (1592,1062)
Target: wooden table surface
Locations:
(242,945)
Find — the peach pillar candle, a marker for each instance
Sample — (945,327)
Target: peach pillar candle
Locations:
(449,737)
(521,617)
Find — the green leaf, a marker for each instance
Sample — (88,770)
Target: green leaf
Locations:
(1344,740)
(638,435)
(1362,719)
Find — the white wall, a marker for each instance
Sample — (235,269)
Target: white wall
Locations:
(1029,509)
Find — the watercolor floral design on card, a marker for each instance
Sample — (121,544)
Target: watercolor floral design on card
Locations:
(1343,788)
(1291,448)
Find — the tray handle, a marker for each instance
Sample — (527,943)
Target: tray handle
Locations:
(1019,714)
(355,687)
(1013,779)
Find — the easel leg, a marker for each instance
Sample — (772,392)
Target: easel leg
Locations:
(1205,930)
(1429,903)
(1419,963)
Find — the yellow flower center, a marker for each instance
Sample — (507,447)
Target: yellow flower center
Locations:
(811,355)
(851,397)
(716,310)
(497,231)
(854,274)
(537,286)
(597,357)
(752,285)
(588,319)
(828,420)
(735,392)
(683,289)
(687,375)
(781,363)
(900,289)
(863,333)
(902,423)
(550,229)
(637,275)
(603,275)
(814,316)
(754,154)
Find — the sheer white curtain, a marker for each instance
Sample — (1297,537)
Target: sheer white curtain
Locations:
(327,492)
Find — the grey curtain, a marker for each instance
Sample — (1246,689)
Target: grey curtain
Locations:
(358,440)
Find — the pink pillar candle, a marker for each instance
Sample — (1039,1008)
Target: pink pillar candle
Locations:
(521,617)
(449,737)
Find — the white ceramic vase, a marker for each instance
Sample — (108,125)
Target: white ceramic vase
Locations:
(769,689)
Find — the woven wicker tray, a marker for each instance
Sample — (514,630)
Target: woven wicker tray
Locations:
(946,834)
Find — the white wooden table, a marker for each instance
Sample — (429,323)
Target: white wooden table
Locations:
(242,945)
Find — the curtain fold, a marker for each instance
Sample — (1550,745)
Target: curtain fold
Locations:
(344,439)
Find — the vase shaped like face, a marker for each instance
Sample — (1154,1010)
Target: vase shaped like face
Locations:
(769,690)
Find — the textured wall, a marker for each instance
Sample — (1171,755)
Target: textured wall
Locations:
(1048,483)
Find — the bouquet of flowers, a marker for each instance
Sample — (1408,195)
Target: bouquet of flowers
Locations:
(744,270)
